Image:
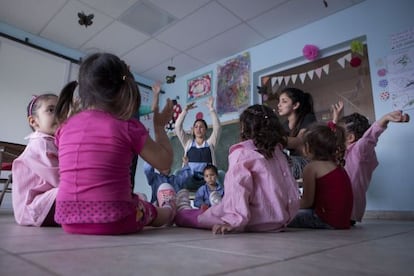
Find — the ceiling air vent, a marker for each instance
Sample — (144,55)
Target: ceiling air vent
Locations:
(146,18)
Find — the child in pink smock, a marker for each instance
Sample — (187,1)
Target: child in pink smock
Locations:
(261,193)
(96,145)
(326,201)
(360,156)
(36,171)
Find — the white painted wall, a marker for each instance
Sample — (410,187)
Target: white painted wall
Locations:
(392,186)
(24,72)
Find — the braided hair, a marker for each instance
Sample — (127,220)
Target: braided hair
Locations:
(261,124)
(355,123)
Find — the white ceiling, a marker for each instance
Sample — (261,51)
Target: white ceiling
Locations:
(203,32)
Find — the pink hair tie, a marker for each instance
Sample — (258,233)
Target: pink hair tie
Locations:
(32,102)
(332,126)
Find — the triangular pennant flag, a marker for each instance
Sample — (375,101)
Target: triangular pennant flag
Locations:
(273,80)
(286,78)
(326,68)
(341,62)
(348,57)
(294,77)
(310,74)
(302,77)
(318,72)
(279,80)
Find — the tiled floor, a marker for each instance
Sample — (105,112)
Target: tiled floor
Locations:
(371,248)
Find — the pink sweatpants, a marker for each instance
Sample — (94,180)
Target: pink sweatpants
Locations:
(188,218)
(144,214)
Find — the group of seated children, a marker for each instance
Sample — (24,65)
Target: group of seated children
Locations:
(81,178)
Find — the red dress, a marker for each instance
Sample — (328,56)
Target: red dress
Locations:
(334,199)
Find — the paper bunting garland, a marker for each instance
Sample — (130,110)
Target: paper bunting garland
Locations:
(279,80)
(310,74)
(302,77)
(318,71)
(286,79)
(326,68)
(273,80)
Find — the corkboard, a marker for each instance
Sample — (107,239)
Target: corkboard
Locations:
(350,84)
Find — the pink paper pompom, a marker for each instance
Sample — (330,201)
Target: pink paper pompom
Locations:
(199,116)
(310,52)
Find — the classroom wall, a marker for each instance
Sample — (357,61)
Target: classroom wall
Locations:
(392,184)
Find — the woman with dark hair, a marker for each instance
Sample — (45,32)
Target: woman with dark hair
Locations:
(297,107)
(197,147)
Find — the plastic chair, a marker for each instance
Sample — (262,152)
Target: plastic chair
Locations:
(8,152)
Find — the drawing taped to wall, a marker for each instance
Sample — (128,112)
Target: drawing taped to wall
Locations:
(401,79)
(233,84)
(199,87)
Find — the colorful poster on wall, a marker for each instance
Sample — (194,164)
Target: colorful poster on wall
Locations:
(199,87)
(233,84)
(401,79)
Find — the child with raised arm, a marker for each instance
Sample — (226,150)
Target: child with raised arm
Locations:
(199,149)
(326,201)
(145,110)
(211,192)
(95,149)
(360,156)
(261,193)
(36,170)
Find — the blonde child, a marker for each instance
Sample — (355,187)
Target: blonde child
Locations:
(360,156)
(95,149)
(327,193)
(261,194)
(36,171)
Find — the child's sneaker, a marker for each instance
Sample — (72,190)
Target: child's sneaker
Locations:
(166,198)
(215,198)
(183,200)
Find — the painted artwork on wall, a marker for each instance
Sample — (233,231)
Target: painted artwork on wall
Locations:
(199,87)
(233,84)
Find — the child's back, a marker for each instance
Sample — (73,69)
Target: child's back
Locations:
(333,193)
(327,193)
(260,191)
(261,194)
(93,142)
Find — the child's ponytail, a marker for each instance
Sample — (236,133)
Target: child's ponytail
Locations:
(65,102)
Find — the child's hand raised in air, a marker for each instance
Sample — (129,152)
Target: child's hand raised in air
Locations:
(190,106)
(394,116)
(222,228)
(156,87)
(210,103)
(163,117)
(337,111)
